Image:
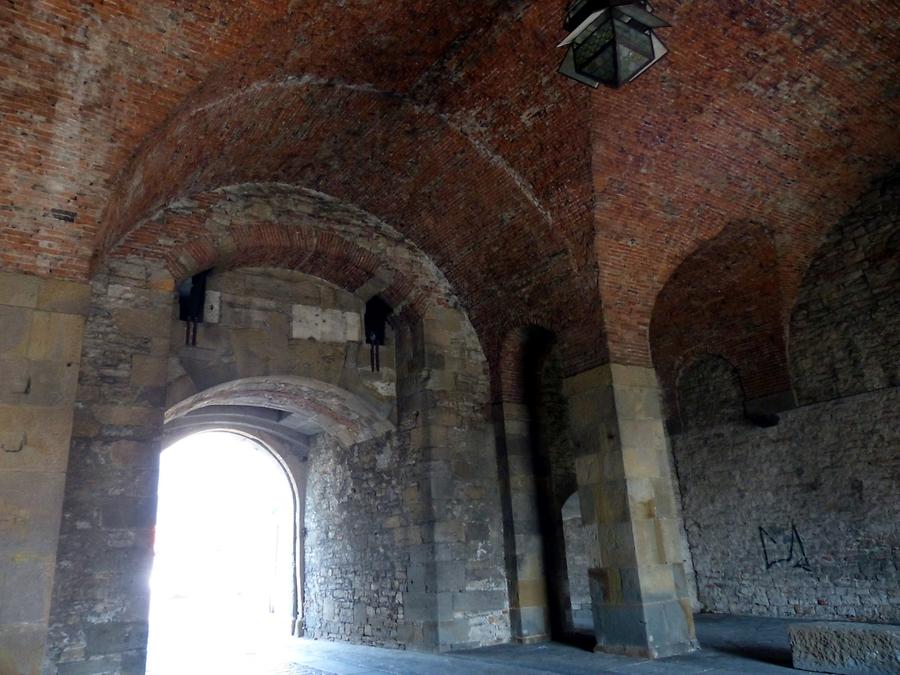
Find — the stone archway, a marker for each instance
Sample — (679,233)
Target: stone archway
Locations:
(428,403)
(310,404)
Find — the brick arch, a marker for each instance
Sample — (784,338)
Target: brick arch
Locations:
(459,201)
(284,225)
(325,256)
(274,225)
(726,300)
(845,324)
(750,118)
(264,110)
(392,157)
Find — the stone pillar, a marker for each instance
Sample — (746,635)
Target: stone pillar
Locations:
(100,604)
(457,593)
(639,589)
(41,327)
(529,612)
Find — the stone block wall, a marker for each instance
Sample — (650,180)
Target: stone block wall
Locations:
(640,573)
(581,541)
(538,464)
(802,518)
(98,621)
(404,542)
(458,596)
(451,397)
(275,322)
(799,519)
(363,504)
(41,327)
(556,478)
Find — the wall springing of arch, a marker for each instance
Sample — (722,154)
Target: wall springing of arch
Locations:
(799,519)
(434,391)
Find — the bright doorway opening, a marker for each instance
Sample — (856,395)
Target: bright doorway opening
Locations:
(223,587)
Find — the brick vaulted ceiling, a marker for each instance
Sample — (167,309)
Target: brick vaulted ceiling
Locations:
(447,120)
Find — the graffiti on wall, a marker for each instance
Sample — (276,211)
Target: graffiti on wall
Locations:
(783,548)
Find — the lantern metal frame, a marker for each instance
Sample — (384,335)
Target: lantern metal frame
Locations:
(585,19)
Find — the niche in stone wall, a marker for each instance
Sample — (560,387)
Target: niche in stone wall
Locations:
(709,393)
(541,465)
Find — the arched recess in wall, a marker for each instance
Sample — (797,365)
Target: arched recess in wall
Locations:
(726,299)
(845,326)
(708,393)
(348,413)
(430,399)
(289,450)
(284,414)
(537,459)
(401,162)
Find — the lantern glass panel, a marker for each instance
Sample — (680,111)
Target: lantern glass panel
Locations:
(635,40)
(597,35)
(630,63)
(659,51)
(567,68)
(593,40)
(603,66)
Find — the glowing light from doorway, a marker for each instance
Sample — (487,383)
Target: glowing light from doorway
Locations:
(222,573)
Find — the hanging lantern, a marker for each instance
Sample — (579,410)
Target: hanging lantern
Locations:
(610,42)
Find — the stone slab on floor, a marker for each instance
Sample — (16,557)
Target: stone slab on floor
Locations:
(846,648)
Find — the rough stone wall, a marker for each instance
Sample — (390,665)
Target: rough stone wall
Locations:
(832,472)
(709,393)
(362,503)
(404,544)
(828,475)
(845,329)
(41,326)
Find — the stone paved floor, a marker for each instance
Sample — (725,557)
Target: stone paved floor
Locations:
(731,645)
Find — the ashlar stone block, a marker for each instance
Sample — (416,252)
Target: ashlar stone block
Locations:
(846,648)
(19,290)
